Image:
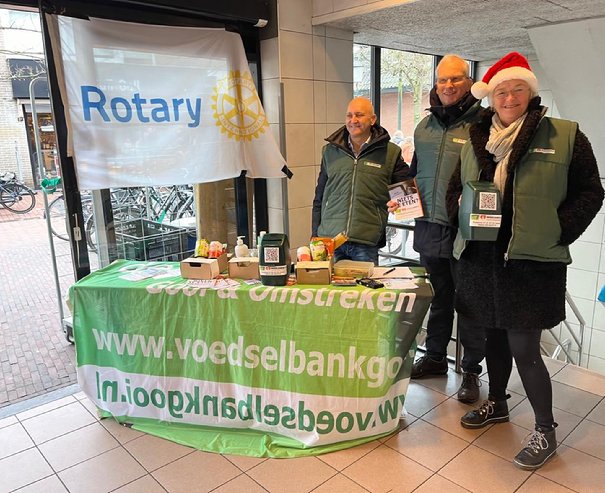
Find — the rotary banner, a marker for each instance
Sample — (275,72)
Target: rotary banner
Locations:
(160,105)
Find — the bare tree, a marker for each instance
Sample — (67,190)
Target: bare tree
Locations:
(404,70)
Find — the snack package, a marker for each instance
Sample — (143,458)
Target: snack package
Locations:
(328,243)
(303,254)
(215,249)
(340,239)
(201,248)
(318,250)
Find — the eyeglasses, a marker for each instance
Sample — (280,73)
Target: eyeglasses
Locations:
(454,80)
(516,92)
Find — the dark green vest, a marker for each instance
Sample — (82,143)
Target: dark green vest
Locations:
(437,151)
(356,192)
(539,188)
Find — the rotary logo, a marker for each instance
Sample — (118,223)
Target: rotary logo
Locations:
(237,109)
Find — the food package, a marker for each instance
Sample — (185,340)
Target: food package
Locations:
(340,239)
(202,248)
(319,252)
(215,249)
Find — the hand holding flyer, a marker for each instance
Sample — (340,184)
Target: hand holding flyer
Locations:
(406,195)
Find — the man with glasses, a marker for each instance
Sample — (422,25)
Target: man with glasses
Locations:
(438,140)
(357,166)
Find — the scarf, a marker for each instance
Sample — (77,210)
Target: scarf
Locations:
(500,144)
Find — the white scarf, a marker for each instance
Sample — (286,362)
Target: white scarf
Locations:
(500,144)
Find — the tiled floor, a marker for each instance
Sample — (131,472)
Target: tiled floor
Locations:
(62,446)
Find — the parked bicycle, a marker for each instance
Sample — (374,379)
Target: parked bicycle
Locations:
(14,195)
(161,204)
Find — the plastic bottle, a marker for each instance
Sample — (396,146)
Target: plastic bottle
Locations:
(260,238)
(241,249)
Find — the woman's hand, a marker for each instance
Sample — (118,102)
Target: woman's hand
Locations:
(392,205)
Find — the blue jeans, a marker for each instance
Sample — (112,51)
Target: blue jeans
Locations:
(357,251)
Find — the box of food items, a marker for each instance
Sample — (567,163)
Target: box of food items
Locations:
(209,260)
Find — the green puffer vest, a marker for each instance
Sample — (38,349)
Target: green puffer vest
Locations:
(539,188)
(437,151)
(357,191)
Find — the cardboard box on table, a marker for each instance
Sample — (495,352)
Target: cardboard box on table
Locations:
(244,268)
(314,272)
(200,268)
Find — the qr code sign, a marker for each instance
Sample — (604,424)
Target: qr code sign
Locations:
(488,201)
(271,255)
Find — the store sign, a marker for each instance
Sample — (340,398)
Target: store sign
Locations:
(161,105)
(279,371)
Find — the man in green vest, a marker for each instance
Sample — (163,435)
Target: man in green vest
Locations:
(357,166)
(438,140)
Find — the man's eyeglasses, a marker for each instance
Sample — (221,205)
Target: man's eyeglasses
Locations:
(516,92)
(454,80)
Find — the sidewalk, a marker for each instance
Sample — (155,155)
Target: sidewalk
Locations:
(35,357)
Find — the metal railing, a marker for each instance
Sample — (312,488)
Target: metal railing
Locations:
(563,346)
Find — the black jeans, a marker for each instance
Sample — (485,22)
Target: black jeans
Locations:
(441,317)
(504,345)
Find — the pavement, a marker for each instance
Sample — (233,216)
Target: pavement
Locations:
(35,356)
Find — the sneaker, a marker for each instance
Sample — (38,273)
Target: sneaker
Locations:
(425,366)
(469,390)
(541,446)
(489,412)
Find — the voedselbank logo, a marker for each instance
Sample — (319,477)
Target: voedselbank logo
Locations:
(237,109)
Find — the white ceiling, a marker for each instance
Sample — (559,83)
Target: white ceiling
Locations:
(475,29)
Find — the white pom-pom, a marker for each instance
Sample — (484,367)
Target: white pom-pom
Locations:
(479,89)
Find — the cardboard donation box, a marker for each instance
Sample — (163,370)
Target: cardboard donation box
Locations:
(318,272)
(244,268)
(353,268)
(405,193)
(200,268)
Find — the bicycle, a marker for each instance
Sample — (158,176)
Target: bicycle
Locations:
(14,195)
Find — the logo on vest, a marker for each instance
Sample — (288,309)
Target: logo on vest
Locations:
(459,141)
(373,165)
(237,108)
(540,150)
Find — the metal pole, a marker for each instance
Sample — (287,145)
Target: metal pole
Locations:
(40,163)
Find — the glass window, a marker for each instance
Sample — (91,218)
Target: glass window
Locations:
(405,82)
(362,74)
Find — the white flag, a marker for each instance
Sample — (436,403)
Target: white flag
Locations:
(160,105)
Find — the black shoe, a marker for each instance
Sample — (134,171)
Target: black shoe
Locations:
(541,446)
(425,366)
(469,390)
(489,412)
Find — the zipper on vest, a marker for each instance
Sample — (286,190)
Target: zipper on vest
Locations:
(352,197)
(512,226)
(436,181)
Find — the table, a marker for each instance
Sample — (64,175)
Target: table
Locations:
(253,370)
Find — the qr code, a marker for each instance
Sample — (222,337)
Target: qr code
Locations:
(271,255)
(488,201)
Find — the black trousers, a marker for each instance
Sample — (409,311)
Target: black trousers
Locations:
(504,345)
(441,317)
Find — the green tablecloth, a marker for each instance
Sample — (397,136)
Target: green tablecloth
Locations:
(254,370)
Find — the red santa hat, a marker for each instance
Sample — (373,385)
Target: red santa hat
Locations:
(511,66)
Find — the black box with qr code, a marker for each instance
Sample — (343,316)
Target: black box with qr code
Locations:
(480,211)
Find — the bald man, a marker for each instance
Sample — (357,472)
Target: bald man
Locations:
(358,164)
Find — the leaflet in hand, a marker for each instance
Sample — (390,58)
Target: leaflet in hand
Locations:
(405,193)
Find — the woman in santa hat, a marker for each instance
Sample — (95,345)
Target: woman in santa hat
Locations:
(514,287)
